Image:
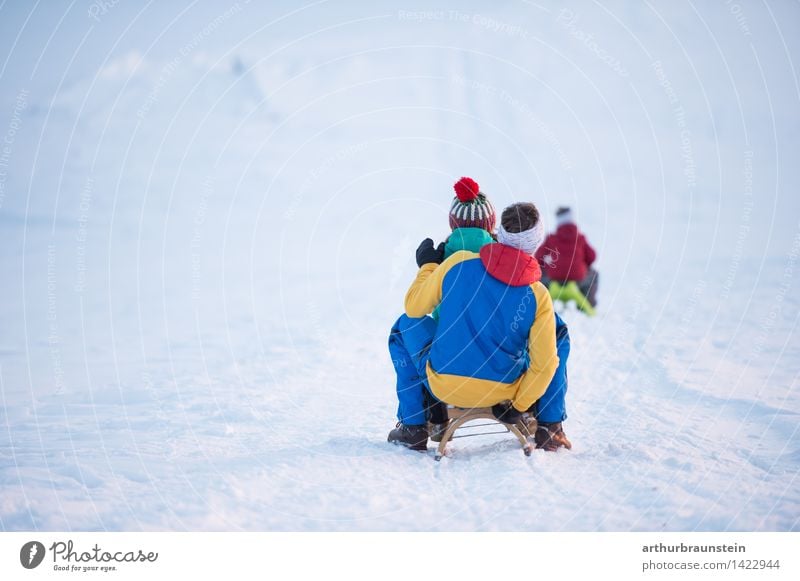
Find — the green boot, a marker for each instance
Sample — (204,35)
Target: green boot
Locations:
(574,293)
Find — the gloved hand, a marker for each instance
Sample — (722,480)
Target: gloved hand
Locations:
(505,412)
(427,254)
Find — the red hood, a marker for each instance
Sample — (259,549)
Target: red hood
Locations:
(510,265)
(567,231)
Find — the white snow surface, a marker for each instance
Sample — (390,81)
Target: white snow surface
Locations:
(209,214)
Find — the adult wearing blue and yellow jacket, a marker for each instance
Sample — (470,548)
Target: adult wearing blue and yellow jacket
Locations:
(496,335)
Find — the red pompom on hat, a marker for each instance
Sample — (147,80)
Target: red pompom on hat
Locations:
(466,189)
(471,208)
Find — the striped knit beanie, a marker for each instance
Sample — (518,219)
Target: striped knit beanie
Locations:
(471,208)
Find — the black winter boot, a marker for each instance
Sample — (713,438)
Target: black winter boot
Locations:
(437,412)
(414,437)
(436,431)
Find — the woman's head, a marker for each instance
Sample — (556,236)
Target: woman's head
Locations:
(522,227)
(519,217)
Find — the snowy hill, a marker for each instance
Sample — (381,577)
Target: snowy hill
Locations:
(210,215)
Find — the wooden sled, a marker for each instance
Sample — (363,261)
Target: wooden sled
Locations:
(460,416)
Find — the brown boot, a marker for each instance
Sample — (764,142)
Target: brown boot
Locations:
(551,437)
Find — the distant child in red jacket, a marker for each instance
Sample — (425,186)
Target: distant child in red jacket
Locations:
(567,256)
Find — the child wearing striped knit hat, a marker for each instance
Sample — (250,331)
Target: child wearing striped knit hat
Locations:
(472,218)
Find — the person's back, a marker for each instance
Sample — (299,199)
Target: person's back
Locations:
(490,302)
(493,313)
(567,256)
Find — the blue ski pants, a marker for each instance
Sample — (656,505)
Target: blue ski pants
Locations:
(409,346)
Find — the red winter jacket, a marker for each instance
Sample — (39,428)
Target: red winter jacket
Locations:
(565,254)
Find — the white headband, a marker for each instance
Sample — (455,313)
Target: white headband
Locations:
(564,218)
(527,241)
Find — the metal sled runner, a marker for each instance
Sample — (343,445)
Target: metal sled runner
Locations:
(460,416)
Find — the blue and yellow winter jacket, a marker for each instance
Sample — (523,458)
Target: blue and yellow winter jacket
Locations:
(472,239)
(496,336)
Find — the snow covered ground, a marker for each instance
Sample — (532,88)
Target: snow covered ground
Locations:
(209,213)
